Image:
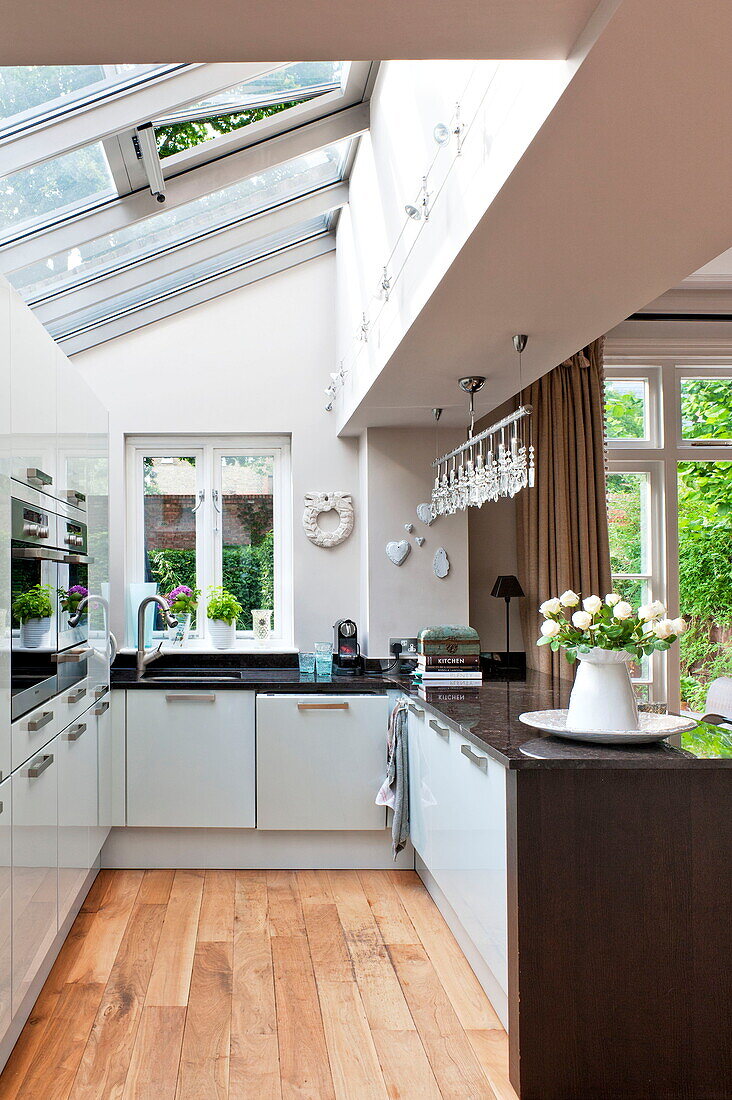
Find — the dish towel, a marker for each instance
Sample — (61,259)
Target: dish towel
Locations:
(395,788)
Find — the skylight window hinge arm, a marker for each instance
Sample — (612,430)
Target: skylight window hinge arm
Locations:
(146,150)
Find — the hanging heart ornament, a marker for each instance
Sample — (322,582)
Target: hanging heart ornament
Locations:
(398,552)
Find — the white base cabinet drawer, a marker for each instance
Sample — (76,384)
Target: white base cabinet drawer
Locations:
(320,761)
(77,808)
(34,875)
(34,730)
(102,712)
(6,913)
(190,758)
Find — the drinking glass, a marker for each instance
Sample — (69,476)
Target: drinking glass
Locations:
(306,661)
(324,660)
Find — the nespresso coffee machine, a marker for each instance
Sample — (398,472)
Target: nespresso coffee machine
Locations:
(346,650)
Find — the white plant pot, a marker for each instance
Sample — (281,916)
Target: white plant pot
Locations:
(33,632)
(223,635)
(602,699)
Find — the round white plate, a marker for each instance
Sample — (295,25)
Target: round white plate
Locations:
(653,727)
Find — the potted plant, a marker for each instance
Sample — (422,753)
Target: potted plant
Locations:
(71,597)
(222,611)
(33,610)
(604,636)
(183,602)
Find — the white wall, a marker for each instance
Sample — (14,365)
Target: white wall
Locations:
(257,360)
(403,599)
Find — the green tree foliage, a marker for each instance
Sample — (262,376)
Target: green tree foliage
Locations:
(177,136)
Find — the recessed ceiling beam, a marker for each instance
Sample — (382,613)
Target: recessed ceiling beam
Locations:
(189,185)
(125,110)
(166,262)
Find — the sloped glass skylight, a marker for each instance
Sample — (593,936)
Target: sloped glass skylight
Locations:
(29,93)
(187,278)
(179,225)
(243,104)
(54,189)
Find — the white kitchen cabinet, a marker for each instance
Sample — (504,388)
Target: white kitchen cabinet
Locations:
(6,913)
(77,807)
(190,758)
(33,357)
(34,866)
(458,803)
(320,761)
(35,729)
(102,713)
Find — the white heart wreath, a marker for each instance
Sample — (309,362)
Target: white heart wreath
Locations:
(315,504)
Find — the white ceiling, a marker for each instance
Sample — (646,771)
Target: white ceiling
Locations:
(617,199)
(83,31)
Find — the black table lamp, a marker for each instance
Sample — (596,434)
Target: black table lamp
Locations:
(506,588)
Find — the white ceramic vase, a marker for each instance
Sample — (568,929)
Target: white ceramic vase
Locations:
(223,635)
(33,632)
(262,623)
(602,699)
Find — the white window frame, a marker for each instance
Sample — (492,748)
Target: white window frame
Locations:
(661,455)
(208,451)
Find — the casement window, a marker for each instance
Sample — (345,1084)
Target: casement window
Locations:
(669,441)
(205,513)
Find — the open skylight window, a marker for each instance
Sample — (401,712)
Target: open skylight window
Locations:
(179,225)
(54,189)
(30,93)
(187,278)
(239,106)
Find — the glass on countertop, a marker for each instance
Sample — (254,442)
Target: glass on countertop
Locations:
(306,662)
(324,660)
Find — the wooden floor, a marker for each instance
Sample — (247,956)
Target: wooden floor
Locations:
(193,985)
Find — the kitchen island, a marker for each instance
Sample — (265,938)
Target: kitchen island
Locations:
(576,881)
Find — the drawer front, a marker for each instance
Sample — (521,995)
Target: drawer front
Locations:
(190,758)
(77,807)
(320,761)
(34,875)
(6,916)
(72,703)
(102,714)
(31,732)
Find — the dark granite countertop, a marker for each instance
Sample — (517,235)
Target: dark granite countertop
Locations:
(487,716)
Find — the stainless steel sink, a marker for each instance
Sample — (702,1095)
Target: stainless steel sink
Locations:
(192,675)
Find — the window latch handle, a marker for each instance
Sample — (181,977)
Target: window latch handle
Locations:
(201,498)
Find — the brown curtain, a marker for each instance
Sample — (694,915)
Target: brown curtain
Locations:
(562,522)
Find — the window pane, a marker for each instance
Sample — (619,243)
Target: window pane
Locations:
(706,408)
(54,189)
(627,513)
(169,497)
(29,92)
(181,280)
(248,532)
(705,576)
(626,405)
(181,224)
(634,591)
(246,103)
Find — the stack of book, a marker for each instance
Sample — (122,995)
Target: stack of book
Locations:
(448,658)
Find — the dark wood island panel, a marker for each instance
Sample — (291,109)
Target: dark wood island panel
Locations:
(619,918)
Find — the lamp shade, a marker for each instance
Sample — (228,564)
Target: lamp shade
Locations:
(507,587)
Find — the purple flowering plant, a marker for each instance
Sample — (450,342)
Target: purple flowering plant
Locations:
(183,600)
(72,597)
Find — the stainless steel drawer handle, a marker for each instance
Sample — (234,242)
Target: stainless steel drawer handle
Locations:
(442,730)
(39,765)
(75,696)
(71,656)
(101,708)
(183,696)
(36,724)
(75,732)
(100,690)
(75,497)
(2,807)
(33,474)
(479,761)
(77,559)
(37,553)
(415,710)
(322,706)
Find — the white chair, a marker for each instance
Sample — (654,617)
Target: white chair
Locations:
(718,703)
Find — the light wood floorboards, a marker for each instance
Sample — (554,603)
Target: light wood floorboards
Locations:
(260,985)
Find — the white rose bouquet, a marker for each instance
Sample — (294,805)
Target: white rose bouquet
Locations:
(606,624)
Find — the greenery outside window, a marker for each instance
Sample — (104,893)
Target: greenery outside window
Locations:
(209,513)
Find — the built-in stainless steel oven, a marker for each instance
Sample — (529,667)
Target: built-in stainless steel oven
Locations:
(73,584)
(48,655)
